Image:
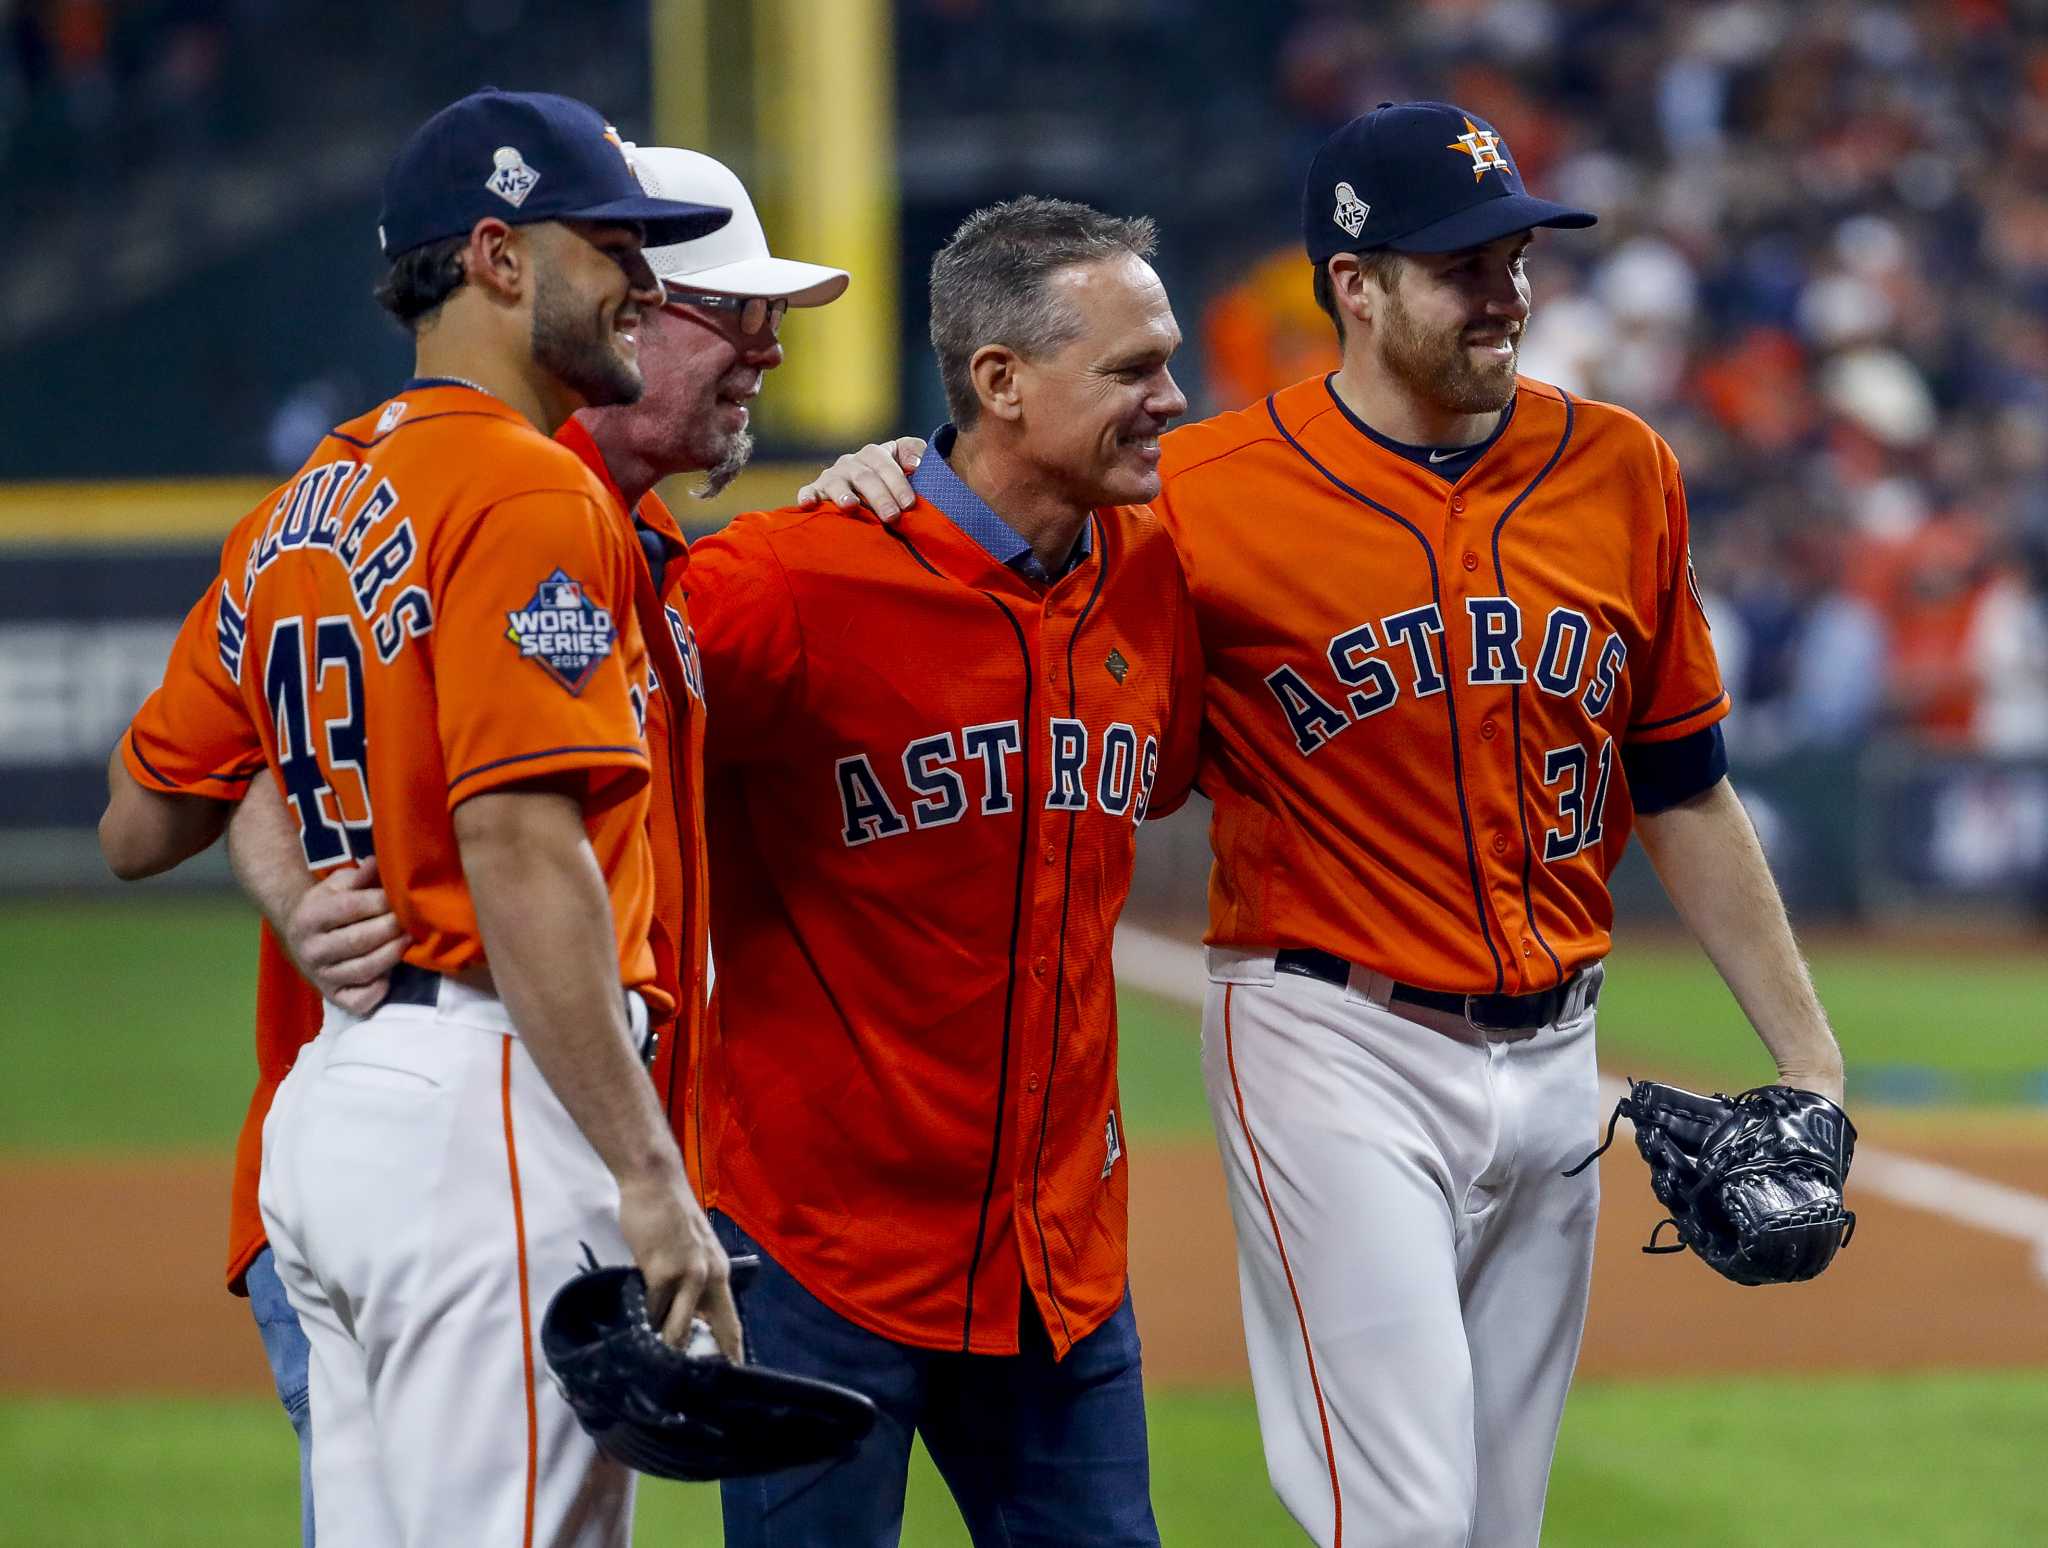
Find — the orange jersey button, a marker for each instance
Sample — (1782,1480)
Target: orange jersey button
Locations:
(1487,731)
(1471,560)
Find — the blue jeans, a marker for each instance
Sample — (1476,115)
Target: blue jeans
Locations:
(285,1344)
(1038,1452)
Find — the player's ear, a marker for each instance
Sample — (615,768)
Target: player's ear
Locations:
(497,261)
(1350,288)
(995,371)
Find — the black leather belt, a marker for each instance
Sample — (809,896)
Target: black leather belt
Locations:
(1487,1012)
(414,985)
(411,985)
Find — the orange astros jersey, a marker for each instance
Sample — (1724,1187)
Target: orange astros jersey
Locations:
(675,811)
(925,779)
(441,603)
(1416,687)
(288,1009)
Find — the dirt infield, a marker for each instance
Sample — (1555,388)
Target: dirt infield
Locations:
(111,1281)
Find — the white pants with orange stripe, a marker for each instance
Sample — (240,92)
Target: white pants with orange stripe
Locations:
(1414,1269)
(425,1195)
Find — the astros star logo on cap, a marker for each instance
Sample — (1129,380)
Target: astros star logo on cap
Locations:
(1483,146)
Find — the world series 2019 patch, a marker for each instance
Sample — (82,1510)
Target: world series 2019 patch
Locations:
(563,630)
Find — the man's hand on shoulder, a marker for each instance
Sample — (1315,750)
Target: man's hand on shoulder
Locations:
(874,476)
(345,938)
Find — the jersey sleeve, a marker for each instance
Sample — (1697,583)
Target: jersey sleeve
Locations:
(532,599)
(1180,753)
(751,639)
(193,736)
(1682,691)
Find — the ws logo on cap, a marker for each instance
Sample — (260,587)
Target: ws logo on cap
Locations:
(1485,149)
(563,630)
(1351,210)
(511,178)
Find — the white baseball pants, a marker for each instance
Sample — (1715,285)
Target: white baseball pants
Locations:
(1414,1269)
(425,1195)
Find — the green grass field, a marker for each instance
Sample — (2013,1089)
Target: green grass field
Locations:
(157,1055)
(125,1026)
(1936,1462)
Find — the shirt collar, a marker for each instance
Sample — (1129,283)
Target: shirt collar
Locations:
(935,482)
(661,540)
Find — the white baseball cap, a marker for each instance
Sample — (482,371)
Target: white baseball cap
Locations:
(734,260)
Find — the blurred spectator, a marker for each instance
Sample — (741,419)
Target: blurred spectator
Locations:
(1266,331)
(1821,269)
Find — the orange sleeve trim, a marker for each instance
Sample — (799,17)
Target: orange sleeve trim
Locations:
(525,1297)
(631,755)
(178,787)
(1300,1316)
(1669,721)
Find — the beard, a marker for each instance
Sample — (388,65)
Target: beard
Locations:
(734,456)
(1437,368)
(575,349)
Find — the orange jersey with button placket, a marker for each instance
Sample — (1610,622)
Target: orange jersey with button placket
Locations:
(440,604)
(675,811)
(1417,688)
(925,779)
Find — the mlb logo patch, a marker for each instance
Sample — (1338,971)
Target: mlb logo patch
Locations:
(562,630)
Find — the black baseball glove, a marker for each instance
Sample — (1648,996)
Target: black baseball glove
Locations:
(1753,1182)
(678,1415)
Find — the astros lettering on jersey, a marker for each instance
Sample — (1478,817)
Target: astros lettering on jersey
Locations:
(925,780)
(1455,623)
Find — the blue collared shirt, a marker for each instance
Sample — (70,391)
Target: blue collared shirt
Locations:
(936,482)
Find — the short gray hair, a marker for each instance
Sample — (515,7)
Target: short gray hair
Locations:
(990,282)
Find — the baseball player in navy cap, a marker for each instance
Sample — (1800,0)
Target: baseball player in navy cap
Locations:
(435,1156)
(1454,660)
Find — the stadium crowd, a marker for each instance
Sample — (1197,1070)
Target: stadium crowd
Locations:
(1821,272)
(1821,269)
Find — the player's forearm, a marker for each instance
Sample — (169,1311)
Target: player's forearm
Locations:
(146,832)
(1707,855)
(547,930)
(264,851)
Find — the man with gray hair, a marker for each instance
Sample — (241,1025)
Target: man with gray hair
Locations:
(930,749)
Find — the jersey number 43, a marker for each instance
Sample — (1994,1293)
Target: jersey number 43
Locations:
(309,672)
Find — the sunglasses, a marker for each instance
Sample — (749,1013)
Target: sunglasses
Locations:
(754,314)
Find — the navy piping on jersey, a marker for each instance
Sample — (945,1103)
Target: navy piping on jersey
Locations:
(545,752)
(407,424)
(1515,696)
(1450,701)
(1059,992)
(1672,720)
(995,1154)
(232,777)
(1421,455)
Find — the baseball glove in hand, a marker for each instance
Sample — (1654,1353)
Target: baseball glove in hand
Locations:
(1753,1182)
(684,1413)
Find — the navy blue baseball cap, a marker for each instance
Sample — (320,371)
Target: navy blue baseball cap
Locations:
(1418,177)
(523,156)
